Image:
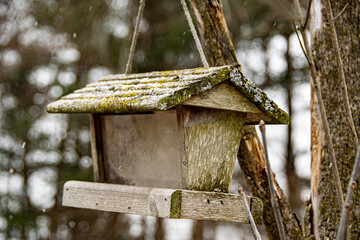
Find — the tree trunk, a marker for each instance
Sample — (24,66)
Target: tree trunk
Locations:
(326,213)
(159,229)
(198,230)
(219,51)
(214,33)
(293,180)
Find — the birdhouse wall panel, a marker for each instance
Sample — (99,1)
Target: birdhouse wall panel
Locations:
(142,149)
(210,143)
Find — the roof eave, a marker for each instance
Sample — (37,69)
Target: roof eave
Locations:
(258,97)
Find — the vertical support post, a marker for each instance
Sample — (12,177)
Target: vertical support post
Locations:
(97,147)
(209,140)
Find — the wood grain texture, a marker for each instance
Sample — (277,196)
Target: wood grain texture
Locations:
(160,202)
(118,198)
(223,96)
(97,147)
(210,143)
(218,207)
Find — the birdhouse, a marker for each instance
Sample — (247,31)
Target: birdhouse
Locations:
(165,143)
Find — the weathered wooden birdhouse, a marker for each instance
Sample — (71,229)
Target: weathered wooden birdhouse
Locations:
(166,142)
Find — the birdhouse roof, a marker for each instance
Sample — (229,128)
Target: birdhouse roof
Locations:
(146,92)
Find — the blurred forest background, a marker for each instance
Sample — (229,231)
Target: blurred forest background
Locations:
(49,48)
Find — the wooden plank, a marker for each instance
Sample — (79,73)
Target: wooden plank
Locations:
(209,143)
(223,96)
(160,202)
(97,147)
(118,198)
(182,151)
(215,206)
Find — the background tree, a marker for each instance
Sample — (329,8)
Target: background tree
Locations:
(324,223)
(49,48)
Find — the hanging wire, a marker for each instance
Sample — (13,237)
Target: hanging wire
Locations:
(134,37)
(194,33)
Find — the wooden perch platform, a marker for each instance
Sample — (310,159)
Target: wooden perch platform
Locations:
(161,202)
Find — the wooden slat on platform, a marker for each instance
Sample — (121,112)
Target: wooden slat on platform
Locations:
(161,202)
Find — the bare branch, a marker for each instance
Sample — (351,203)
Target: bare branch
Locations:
(341,12)
(325,122)
(252,222)
(301,45)
(274,203)
(344,221)
(307,15)
(352,129)
(340,68)
(298,11)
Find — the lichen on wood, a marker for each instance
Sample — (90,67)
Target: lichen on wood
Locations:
(257,96)
(348,31)
(160,202)
(140,92)
(153,91)
(211,140)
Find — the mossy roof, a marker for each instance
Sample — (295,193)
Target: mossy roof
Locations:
(154,91)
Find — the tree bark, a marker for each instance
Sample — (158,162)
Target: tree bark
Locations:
(218,46)
(220,51)
(326,212)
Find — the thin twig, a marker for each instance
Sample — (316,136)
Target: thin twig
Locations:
(298,11)
(344,221)
(252,222)
(301,45)
(341,12)
(340,68)
(352,129)
(325,123)
(134,37)
(307,15)
(274,203)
